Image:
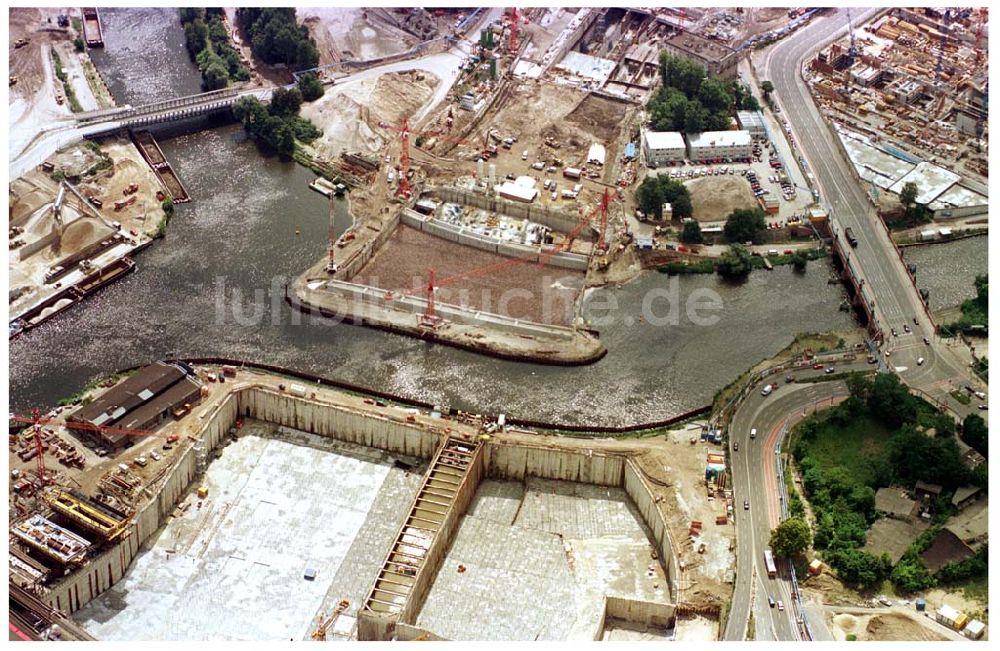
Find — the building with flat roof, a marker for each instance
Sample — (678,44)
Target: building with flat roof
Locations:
(895,503)
(716,145)
(662,147)
(718,59)
(752,121)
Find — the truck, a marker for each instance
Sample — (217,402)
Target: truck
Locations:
(849,234)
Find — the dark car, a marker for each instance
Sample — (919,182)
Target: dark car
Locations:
(770,602)
(789,379)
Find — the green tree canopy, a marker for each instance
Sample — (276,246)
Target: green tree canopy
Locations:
(975,434)
(745,225)
(736,262)
(691,234)
(310,87)
(791,538)
(285,103)
(654,191)
(766,87)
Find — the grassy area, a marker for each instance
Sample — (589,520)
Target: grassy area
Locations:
(977,588)
(961,396)
(97,86)
(850,446)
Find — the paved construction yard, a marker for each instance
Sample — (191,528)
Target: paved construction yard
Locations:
(232,568)
(473,278)
(539,558)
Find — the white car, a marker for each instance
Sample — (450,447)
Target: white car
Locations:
(920,361)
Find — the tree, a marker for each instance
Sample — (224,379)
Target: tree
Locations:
(195,37)
(799,261)
(251,113)
(654,191)
(216,76)
(285,103)
(190,14)
(745,225)
(975,434)
(695,117)
(766,87)
(714,94)
(911,575)
(890,401)
(736,262)
(168,206)
(861,568)
(310,87)
(908,196)
(791,537)
(78,44)
(692,233)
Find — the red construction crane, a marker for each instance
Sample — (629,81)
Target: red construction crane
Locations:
(324,623)
(36,425)
(429,319)
(404,153)
(605,202)
(78,425)
(433,284)
(513,30)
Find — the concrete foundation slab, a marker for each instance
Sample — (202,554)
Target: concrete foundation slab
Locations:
(231,566)
(535,561)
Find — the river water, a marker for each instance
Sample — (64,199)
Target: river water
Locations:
(948,270)
(230,251)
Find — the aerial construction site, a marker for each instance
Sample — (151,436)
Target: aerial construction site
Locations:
(403,324)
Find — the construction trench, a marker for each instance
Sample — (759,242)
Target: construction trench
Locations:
(467,481)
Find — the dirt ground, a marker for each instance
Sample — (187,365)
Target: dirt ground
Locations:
(676,471)
(30,194)
(714,197)
(893,626)
(349,115)
(467,276)
(344,33)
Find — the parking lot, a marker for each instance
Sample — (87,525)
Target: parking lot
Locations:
(767,181)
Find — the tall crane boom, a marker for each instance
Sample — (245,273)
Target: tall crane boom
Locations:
(514,43)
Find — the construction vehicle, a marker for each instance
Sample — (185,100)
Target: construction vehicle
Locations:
(21,42)
(132,188)
(320,633)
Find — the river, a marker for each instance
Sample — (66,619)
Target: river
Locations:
(949,269)
(238,239)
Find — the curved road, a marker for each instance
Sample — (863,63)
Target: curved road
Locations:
(756,478)
(875,258)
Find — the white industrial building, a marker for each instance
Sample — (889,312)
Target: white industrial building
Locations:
(662,147)
(752,121)
(719,145)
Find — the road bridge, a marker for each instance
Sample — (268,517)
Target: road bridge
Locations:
(875,269)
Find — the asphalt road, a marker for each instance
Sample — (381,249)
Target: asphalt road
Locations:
(896,302)
(755,473)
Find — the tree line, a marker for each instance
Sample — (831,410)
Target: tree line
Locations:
(208,45)
(277,125)
(692,101)
(275,37)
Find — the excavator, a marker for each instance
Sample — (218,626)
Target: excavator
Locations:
(320,633)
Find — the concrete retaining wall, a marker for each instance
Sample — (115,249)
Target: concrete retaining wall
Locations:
(646,613)
(347,269)
(496,459)
(31,248)
(557,220)
(641,493)
(81,587)
(360,296)
(517,462)
(525,252)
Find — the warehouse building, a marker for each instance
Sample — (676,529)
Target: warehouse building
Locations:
(141,402)
(719,146)
(752,121)
(663,147)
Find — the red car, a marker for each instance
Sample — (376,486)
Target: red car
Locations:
(818,367)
